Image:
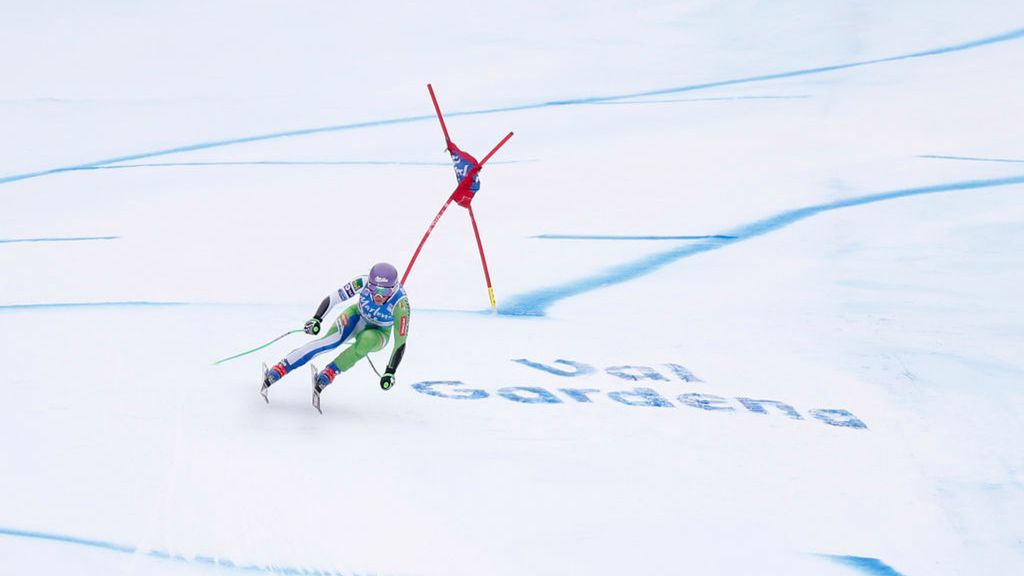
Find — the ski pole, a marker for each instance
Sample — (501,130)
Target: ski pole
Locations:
(258,347)
(374,367)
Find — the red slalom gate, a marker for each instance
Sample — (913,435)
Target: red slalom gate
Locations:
(460,192)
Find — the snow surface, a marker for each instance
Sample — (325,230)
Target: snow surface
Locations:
(184,181)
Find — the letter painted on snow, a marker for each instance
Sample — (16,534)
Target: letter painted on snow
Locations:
(578,368)
(579,394)
(838,417)
(529,395)
(683,374)
(429,388)
(708,402)
(640,397)
(757,407)
(635,373)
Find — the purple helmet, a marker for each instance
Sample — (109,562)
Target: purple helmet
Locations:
(383,282)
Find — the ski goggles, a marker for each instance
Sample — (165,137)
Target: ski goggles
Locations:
(380,294)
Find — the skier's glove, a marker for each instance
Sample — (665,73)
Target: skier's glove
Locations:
(312,326)
(387,381)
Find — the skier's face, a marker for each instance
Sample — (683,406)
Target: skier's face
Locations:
(380,294)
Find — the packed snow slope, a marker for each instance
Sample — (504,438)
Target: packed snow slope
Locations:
(758,269)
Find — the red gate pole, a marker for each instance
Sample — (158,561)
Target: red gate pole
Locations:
(440,118)
(425,236)
(483,259)
(493,150)
(466,182)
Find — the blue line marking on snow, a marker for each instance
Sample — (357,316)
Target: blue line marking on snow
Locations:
(91,305)
(268,163)
(68,239)
(537,302)
(971,158)
(285,163)
(866,565)
(106,165)
(165,555)
(216,144)
(612,237)
(67,540)
(1006,37)
(709,99)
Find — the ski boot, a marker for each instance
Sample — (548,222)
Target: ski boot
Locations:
(270,376)
(320,381)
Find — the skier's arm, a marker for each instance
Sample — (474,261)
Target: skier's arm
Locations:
(402,313)
(333,299)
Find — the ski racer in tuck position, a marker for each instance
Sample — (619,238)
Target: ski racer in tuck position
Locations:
(382,304)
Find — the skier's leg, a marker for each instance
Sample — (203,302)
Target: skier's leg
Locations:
(366,341)
(340,331)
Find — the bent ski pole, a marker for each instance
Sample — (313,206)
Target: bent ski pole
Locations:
(258,347)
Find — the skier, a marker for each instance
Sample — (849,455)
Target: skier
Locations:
(382,303)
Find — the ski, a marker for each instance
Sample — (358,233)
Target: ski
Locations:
(266,385)
(316,391)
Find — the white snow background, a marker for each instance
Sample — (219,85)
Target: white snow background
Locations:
(183,181)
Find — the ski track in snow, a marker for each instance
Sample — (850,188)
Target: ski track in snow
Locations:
(999,38)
